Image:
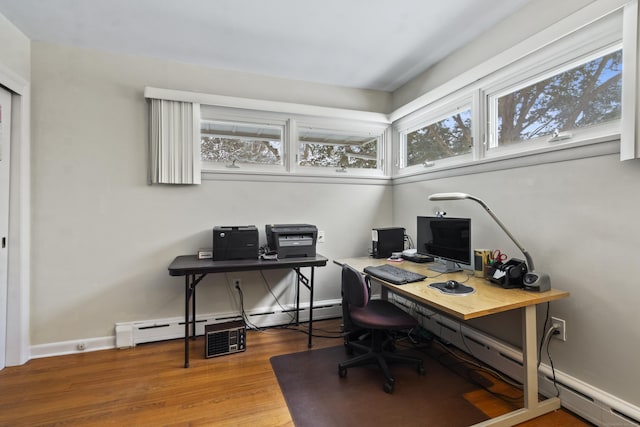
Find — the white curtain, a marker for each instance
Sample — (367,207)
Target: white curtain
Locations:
(174,147)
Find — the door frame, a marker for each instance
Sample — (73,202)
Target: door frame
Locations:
(17,350)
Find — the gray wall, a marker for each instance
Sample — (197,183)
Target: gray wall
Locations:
(578,219)
(529,20)
(103,238)
(14,49)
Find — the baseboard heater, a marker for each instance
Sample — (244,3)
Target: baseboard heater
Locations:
(130,334)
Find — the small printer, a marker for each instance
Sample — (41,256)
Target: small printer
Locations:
(292,240)
(235,242)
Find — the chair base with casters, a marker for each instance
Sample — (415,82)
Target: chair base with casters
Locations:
(378,318)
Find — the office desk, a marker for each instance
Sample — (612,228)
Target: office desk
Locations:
(194,270)
(487,299)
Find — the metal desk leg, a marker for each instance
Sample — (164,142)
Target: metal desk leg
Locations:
(193,309)
(532,408)
(311,306)
(309,285)
(190,282)
(297,270)
(187,294)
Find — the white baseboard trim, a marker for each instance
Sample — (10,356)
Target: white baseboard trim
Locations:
(128,334)
(591,403)
(71,347)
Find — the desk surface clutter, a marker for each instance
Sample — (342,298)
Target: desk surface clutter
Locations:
(489,298)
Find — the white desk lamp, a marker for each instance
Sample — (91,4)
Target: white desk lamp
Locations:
(532,281)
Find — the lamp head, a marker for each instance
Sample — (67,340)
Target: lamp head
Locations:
(448,196)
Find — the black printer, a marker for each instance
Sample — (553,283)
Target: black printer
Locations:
(292,240)
(235,242)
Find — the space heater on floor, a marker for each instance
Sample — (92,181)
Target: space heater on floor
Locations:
(224,338)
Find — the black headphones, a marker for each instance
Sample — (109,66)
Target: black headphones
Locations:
(515,271)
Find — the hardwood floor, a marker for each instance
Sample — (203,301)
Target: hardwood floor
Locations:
(148,386)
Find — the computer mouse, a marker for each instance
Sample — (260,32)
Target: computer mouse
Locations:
(451,284)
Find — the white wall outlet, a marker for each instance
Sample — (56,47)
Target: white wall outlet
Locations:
(320,238)
(237,282)
(561,329)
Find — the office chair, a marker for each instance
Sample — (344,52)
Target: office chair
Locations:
(378,317)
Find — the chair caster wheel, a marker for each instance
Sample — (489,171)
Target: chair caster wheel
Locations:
(342,372)
(421,370)
(388,387)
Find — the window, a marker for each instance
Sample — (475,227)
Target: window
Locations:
(325,148)
(585,96)
(438,135)
(240,141)
(541,98)
(236,143)
(447,138)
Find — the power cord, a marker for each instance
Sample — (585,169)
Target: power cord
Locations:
(553,330)
(553,370)
(471,366)
(547,339)
(242,312)
(245,316)
(544,328)
(284,310)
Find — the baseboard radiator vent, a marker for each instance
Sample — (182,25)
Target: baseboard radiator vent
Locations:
(129,334)
(593,404)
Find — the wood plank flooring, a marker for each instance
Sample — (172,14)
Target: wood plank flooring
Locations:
(148,386)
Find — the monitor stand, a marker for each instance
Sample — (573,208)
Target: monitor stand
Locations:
(445,267)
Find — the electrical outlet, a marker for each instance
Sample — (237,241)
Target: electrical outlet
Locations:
(320,238)
(561,329)
(237,282)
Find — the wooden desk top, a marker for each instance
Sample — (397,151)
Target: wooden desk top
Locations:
(488,297)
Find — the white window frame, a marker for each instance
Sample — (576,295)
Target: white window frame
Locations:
(602,38)
(247,117)
(274,113)
(339,126)
(426,117)
(561,46)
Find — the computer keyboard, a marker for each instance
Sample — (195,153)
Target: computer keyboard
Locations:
(392,274)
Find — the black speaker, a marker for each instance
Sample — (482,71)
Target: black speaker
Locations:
(385,241)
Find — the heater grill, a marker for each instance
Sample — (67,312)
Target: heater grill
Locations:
(224,338)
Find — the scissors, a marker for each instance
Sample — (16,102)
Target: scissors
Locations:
(498,256)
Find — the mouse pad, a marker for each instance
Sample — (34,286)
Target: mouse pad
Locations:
(460,290)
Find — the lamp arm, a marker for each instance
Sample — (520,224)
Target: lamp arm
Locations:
(495,218)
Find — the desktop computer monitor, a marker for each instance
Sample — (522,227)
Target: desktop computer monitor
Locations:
(446,238)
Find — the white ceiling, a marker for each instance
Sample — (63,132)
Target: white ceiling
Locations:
(373,44)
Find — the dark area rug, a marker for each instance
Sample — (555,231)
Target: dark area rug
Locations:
(317,396)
